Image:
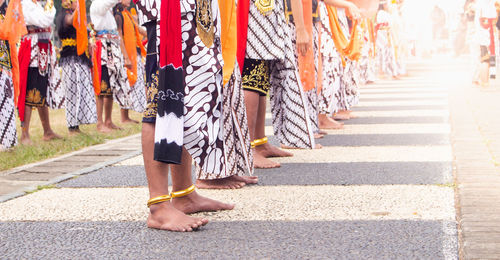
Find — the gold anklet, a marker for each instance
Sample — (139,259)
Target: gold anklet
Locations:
(158,199)
(258,142)
(182,193)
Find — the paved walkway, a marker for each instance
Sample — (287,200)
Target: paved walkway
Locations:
(384,187)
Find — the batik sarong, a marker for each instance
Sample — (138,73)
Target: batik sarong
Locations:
(332,66)
(203,135)
(8,134)
(112,62)
(237,151)
(80,100)
(137,93)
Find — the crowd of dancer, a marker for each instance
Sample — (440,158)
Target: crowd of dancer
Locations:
(201,75)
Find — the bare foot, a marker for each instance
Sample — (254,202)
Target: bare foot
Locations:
(330,123)
(111,125)
(342,115)
(194,202)
(51,136)
(103,129)
(318,146)
(130,121)
(322,132)
(267,150)
(246,179)
(74,132)
(318,136)
(225,183)
(261,162)
(166,217)
(26,140)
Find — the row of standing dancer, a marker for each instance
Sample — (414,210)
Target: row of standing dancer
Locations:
(209,67)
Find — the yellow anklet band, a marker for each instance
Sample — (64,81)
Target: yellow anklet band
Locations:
(182,193)
(158,199)
(258,142)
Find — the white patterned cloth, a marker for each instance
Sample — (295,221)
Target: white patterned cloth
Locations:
(112,58)
(237,151)
(266,34)
(137,93)
(291,122)
(8,134)
(332,66)
(80,98)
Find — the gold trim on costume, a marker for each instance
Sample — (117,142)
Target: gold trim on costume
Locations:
(5,55)
(264,6)
(68,42)
(204,22)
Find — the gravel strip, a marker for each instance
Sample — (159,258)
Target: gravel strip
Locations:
(437,153)
(266,203)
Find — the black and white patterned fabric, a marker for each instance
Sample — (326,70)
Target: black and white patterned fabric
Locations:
(137,93)
(203,122)
(79,92)
(311,95)
(8,134)
(237,151)
(386,57)
(56,94)
(332,65)
(112,58)
(349,95)
(266,37)
(291,123)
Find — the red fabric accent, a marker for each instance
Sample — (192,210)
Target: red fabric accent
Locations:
(97,68)
(170,34)
(487,23)
(24,63)
(243,10)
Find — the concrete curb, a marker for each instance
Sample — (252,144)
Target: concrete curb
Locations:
(69,175)
(86,149)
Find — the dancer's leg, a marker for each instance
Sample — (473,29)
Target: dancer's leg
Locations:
(192,203)
(25,135)
(48,133)
(162,215)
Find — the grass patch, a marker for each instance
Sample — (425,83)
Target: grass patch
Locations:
(41,150)
(447,185)
(41,187)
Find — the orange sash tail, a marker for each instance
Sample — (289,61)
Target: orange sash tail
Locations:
(80,24)
(96,67)
(12,29)
(131,41)
(229,31)
(138,36)
(306,62)
(350,49)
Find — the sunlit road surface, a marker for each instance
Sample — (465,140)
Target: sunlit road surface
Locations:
(382,188)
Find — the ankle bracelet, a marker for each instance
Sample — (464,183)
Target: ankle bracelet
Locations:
(258,142)
(159,199)
(182,193)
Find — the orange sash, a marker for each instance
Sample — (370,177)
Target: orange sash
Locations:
(131,40)
(306,62)
(228,37)
(12,29)
(80,24)
(350,49)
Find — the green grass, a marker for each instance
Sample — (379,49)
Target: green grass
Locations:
(42,187)
(41,150)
